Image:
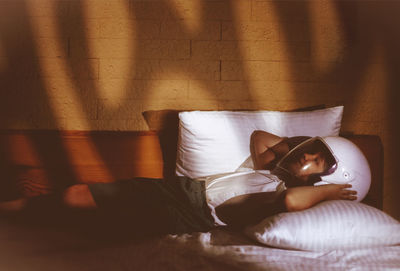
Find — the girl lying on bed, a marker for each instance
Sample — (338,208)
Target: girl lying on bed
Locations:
(285,171)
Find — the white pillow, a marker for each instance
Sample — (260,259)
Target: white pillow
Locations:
(330,225)
(214,142)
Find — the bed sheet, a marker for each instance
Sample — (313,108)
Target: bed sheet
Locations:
(43,248)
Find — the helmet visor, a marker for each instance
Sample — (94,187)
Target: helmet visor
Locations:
(313,157)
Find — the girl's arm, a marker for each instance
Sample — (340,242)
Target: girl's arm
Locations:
(265,148)
(249,209)
(304,197)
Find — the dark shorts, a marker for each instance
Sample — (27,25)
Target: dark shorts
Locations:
(176,205)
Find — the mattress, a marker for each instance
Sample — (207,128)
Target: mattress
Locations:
(46,248)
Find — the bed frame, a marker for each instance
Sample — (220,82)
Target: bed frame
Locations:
(35,162)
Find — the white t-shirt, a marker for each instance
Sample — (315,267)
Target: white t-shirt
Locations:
(222,187)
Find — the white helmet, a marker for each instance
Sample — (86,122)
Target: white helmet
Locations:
(352,166)
(326,160)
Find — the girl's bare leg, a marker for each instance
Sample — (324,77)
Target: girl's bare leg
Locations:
(13,205)
(74,197)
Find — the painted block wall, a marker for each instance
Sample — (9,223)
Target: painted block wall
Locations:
(98,64)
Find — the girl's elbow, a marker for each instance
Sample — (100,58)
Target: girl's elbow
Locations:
(293,203)
(290,204)
(255,136)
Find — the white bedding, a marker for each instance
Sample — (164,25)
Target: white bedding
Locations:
(43,249)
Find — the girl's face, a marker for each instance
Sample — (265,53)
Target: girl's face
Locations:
(308,164)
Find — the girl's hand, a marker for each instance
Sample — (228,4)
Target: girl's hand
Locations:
(340,191)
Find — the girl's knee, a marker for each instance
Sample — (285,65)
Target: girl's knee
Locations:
(78,196)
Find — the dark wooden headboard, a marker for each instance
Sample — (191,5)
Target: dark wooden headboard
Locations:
(35,162)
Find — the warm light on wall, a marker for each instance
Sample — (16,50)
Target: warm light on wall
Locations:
(66,105)
(63,100)
(190,12)
(114,39)
(327,37)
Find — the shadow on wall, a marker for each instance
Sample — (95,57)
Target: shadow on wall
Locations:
(369,28)
(19,74)
(24,58)
(366,26)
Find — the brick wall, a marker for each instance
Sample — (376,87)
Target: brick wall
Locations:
(98,64)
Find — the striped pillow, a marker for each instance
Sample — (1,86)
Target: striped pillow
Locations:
(329,225)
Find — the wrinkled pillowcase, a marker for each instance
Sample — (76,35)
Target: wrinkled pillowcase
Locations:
(214,142)
(327,226)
